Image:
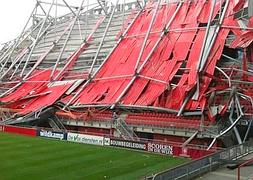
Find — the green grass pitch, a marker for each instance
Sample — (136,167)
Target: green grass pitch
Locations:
(37,158)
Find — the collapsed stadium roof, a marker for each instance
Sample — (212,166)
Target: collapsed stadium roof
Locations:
(186,62)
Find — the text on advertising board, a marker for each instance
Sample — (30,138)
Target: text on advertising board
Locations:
(50,134)
(128,144)
(86,139)
(160,148)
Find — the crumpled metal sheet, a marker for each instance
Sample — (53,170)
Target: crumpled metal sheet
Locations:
(177,49)
(55,92)
(170,73)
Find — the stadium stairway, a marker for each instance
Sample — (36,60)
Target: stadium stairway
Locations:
(123,129)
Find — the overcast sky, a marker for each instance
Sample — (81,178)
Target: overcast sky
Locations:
(15,13)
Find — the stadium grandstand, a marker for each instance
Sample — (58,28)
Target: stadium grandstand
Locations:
(179,71)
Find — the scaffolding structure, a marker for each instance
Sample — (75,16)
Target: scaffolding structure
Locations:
(159,67)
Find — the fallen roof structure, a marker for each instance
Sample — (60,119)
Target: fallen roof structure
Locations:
(160,65)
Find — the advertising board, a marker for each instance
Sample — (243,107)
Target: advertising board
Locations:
(20,130)
(160,148)
(52,134)
(86,139)
(128,144)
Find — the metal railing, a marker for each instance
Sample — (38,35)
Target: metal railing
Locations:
(204,165)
